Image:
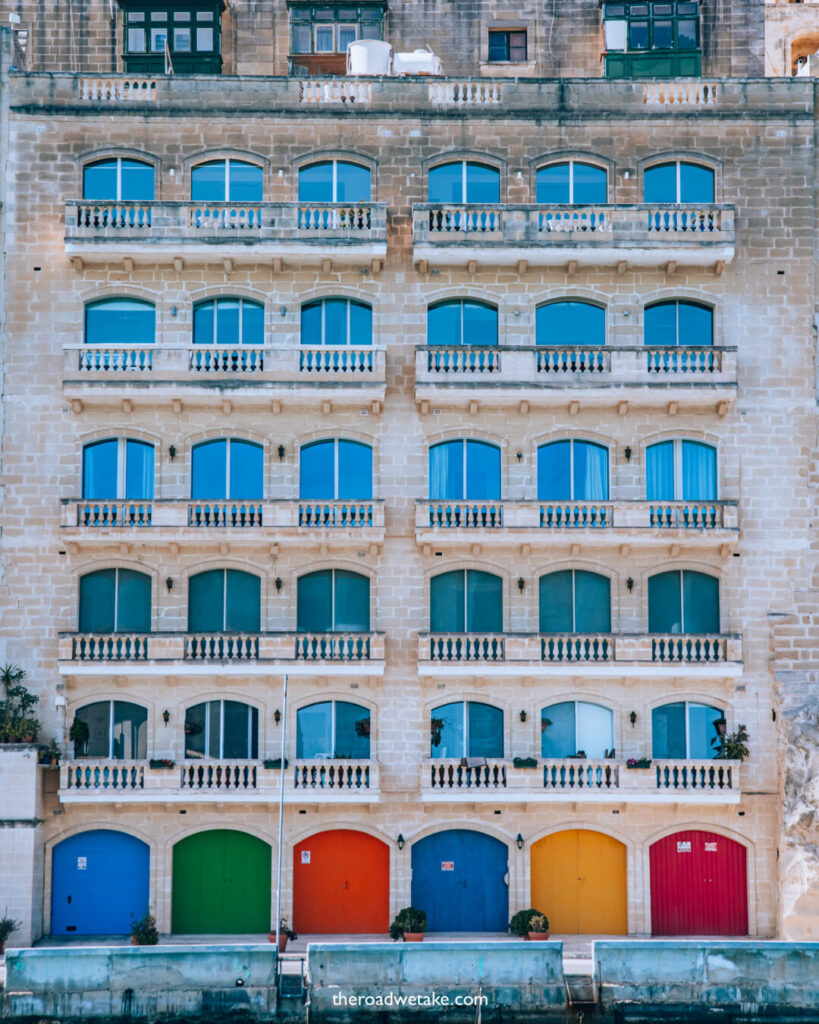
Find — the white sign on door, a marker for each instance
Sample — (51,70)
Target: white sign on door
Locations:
(447,865)
(710,847)
(305,856)
(683,847)
(82,863)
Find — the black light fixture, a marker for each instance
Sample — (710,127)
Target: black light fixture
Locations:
(521,584)
(629,584)
(172,451)
(633,718)
(166,716)
(277,583)
(281,453)
(627,453)
(519,841)
(169,584)
(277,716)
(523,716)
(400,841)
(721,726)
(519,456)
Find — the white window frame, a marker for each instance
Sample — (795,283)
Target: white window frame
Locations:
(214,302)
(589,703)
(465,711)
(581,440)
(118,159)
(122,456)
(335,442)
(688,705)
(335,298)
(228,445)
(221,754)
(226,162)
(335,162)
(110,755)
(571,162)
(678,464)
(678,164)
(464,164)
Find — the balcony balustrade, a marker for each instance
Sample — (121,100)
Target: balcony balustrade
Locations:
(570,780)
(692,377)
(302,232)
(645,235)
(196,654)
(574,654)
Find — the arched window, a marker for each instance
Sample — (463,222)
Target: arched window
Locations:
(466,601)
(221,729)
(118,178)
(572,471)
(681,471)
(678,323)
(224,600)
(336,322)
(120,322)
(115,601)
(466,729)
(678,182)
(464,182)
(683,602)
(571,322)
(227,468)
(336,469)
(571,182)
(333,601)
(227,181)
(334,181)
(684,729)
(228,322)
(117,730)
(118,467)
(462,322)
(464,470)
(576,727)
(333,728)
(575,601)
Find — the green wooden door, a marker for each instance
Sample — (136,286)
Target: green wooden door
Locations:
(221,884)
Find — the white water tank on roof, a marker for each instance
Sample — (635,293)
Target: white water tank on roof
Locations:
(417,62)
(369,57)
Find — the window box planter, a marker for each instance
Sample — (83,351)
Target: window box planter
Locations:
(524,762)
(161,762)
(275,763)
(638,762)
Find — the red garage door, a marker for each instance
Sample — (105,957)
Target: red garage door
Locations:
(699,885)
(341,884)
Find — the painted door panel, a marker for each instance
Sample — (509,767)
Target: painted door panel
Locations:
(699,885)
(459,877)
(579,882)
(99,883)
(341,884)
(221,884)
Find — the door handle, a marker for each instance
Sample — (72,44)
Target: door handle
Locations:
(69,899)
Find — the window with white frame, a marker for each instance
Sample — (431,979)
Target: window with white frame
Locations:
(222,729)
(681,470)
(118,467)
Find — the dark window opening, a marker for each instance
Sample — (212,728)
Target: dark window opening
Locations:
(507,46)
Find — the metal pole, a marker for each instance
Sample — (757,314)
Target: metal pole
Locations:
(281,819)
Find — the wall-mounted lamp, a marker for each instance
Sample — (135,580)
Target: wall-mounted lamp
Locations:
(278,584)
(283,311)
(281,452)
(166,716)
(400,841)
(519,841)
(169,584)
(629,584)
(519,456)
(277,716)
(627,453)
(172,451)
(521,584)
(173,310)
(523,716)
(633,718)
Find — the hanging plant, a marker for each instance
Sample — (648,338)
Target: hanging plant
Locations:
(544,724)
(733,746)
(362,727)
(436,728)
(79,734)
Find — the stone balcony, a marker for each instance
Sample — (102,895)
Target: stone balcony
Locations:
(304,524)
(272,376)
(92,780)
(580,376)
(593,656)
(300,234)
(550,524)
(579,780)
(606,235)
(220,654)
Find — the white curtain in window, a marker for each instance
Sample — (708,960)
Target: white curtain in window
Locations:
(591,472)
(699,472)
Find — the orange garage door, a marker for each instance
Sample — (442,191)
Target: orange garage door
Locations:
(341,884)
(579,882)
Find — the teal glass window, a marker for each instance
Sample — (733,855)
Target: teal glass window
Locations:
(678,182)
(334,181)
(117,730)
(228,322)
(115,601)
(462,322)
(466,729)
(683,601)
(120,322)
(507,46)
(118,178)
(678,323)
(575,601)
(227,181)
(572,471)
(464,470)
(224,601)
(684,730)
(228,468)
(572,181)
(571,322)
(466,601)
(336,468)
(333,601)
(464,182)
(222,730)
(574,727)
(118,468)
(336,322)
(681,471)
(333,728)
(323,29)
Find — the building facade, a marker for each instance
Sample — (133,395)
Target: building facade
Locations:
(482,406)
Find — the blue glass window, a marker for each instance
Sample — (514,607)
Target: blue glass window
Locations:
(227,181)
(462,322)
(574,727)
(336,322)
(466,729)
(118,468)
(681,471)
(115,601)
(464,182)
(684,729)
(228,322)
(336,469)
(224,600)
(118,179)
(571,182)
(120,322)
(575,601)
(570,323)
(334,181)
(466,601)
(678,323)
(116,729)
(683,602)
(678,182)
(464,469)
(333,728)
(572,470)
(333,600)
(228,468)
(220,729)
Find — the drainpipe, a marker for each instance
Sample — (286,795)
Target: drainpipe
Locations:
(281,820)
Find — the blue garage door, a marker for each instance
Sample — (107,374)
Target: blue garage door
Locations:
(459,878)
(99,883)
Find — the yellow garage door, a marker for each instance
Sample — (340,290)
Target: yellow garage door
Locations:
(579,882)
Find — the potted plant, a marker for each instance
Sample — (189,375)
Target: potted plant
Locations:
(639,762)
(436,726)
(362,727)
(161,762)
(78,734)
(17,723)
(538,928)
(733,746)
(409,925)
(520,924)
(579,756)
(143,932)
(7,926)
(285,933)
(275,762)
(524,762)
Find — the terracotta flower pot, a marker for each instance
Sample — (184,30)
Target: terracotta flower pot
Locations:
(134,941)
(413,936)
(538,936)
(2,947)
(282,943)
